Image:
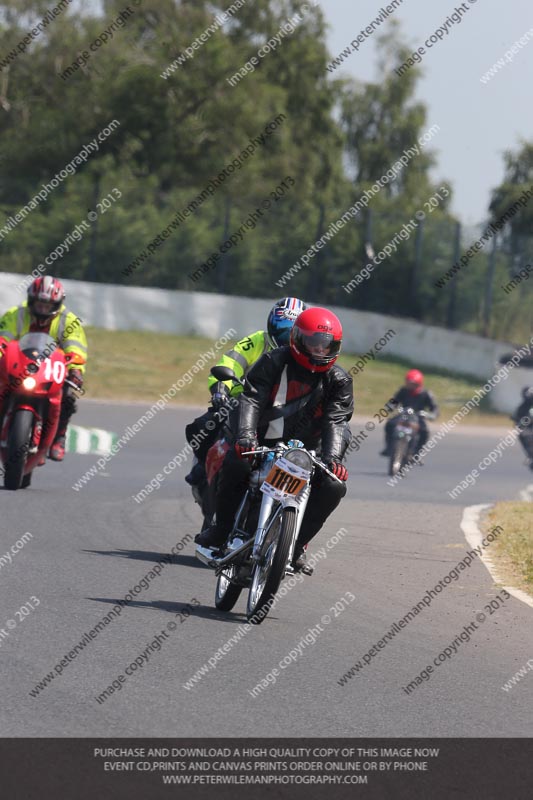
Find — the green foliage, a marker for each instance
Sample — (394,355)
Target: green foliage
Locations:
(178,133)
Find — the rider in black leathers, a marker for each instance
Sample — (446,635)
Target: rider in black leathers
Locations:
(524,421)
(412,395)
(294,392)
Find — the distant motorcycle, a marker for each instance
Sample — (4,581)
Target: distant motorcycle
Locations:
(526,437)
(404,440)
(260,547)
(32,373)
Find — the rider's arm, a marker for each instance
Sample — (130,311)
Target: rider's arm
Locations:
(260,382)
(74,341)
(240,358)
(432,405)
(337,412)
(391,404)
(8,324)
(521,412)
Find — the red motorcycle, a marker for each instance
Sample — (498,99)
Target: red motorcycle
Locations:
(33,371)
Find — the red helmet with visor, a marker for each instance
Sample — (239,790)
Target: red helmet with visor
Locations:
(316,339)
(414,380)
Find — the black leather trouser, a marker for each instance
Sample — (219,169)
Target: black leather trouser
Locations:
(326,495)
(68,408)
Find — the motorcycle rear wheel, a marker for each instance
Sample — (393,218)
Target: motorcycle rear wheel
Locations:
(269,572)
(17,449)
(227,593)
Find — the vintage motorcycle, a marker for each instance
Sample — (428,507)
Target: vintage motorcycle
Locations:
(526,437)
(33,371)
(260,548)
(404,438)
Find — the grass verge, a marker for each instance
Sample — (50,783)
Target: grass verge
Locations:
(137,365)
(513,549)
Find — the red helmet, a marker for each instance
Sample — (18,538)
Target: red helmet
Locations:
(416,379)
(45,296)
(316,339)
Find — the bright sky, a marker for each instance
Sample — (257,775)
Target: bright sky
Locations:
(478,121)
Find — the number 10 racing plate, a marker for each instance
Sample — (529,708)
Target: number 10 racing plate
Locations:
(285,479)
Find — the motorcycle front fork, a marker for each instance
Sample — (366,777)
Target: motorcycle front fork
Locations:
(267,519)
(265,512)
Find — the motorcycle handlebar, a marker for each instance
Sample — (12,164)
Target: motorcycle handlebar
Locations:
(282,446)
(426,414)
(328,471)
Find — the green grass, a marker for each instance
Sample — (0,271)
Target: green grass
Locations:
(380,379)
(136,365)
(514,547)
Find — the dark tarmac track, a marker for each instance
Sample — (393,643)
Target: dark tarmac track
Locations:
(90,547)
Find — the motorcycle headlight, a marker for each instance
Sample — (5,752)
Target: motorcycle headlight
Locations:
(300,458)
(29,383)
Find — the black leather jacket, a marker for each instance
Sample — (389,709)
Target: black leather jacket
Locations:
(522,413)
(321,424)
(418,402)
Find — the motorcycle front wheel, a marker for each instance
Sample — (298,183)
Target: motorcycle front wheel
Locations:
(269,571)
(399,451)
(17,448)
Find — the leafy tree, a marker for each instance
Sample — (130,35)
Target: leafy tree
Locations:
(182,125)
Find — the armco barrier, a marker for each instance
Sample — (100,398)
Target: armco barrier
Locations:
(204,314)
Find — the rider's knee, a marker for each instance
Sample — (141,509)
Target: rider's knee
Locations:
(328,489)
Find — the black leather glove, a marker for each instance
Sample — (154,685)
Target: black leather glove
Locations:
(75,377)
(243,444)
(220,396)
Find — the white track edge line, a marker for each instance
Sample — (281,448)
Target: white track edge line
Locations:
(474,537)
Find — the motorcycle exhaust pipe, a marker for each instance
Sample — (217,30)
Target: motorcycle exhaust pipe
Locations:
(205,555)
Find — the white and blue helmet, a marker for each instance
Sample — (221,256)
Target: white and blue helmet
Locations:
(281,319)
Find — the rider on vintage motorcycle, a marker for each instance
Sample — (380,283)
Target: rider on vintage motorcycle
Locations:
(412,395)
(524,420)
(240,359)
(44,312)
(292,392)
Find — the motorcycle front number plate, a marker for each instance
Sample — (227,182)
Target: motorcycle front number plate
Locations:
(284,479)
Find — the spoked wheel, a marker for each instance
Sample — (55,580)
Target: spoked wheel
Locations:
(227,593)
(17,449)
(399,451)
(268,573)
